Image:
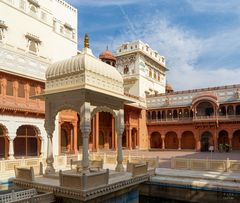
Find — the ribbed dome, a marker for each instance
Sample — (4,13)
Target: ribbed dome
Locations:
(83,71)
(107,55)
(83,61)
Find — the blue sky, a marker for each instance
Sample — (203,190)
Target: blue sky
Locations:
(199,38)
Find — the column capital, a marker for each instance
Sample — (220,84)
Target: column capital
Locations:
(85,132)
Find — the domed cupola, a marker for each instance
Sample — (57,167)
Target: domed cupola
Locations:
(169,88)
(108,57)
(84,71)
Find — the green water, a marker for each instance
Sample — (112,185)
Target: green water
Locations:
(146,199)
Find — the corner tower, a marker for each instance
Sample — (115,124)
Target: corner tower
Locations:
(143,69)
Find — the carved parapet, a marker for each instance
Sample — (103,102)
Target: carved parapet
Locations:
(84,181)
(137,169)
(24,173)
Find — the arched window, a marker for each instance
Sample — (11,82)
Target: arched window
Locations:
(230,110)
(205,109)
(175,114)
(27,142)
(222,111)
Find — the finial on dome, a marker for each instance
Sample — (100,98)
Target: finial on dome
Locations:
(86,41)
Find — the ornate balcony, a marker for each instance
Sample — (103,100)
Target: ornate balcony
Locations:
(195,119)
(22,105)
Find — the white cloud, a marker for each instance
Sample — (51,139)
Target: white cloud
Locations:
(182,51)
(101,3)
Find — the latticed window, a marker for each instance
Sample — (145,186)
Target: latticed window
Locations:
(33,46)
(9,90)
(21,92)
(33,42)
(27,142)
(32,91)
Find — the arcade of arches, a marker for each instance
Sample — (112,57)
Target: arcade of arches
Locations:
(191,140)
(102,136)
(27,142)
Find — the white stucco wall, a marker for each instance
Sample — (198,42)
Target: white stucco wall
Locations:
(54,44)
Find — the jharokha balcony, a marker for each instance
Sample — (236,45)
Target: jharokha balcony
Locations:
(16,96)
(22,106)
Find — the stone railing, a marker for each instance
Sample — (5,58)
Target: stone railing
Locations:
(205,164)
(46,198)
(61,162)
(25,196)
(153,162)
(171,120)
(93,164)
(196,118)
(137,169)
(25,173)
(84,181)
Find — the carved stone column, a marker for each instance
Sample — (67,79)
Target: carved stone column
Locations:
(230,136)
(75,138)
(163,141)
(97,131)
(215,141)
(179,142)
(94,133)
(197,143)
(11,149)
(127,140)
(42,148)
(119,167)
(130,137)
(49,127)
(113,133)
(85,126)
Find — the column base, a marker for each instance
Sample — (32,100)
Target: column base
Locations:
(50,170)
(119,167)
(11,157)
